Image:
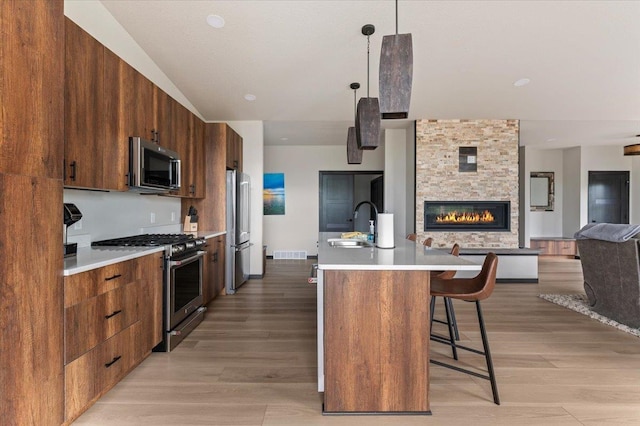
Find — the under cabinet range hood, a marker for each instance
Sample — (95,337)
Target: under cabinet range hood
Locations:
(152,168)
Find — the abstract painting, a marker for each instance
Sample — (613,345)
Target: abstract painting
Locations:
(273,194)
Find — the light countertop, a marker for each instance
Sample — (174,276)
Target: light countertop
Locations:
(89,258)
(407,255)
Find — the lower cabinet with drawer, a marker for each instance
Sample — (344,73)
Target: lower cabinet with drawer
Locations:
(554,246)
(112,320)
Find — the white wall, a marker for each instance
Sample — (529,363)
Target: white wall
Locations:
(410,179)
(571,195)
(634,201)
(298,228)
(252,133)
(545,223)
(395,183)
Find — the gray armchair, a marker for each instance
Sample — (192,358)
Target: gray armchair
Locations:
(612,278)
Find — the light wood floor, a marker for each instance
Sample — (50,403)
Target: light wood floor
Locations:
(253,362)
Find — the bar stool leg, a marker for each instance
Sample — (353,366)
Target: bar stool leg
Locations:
(487,353)
(432,311)
(453,317)
(452,340)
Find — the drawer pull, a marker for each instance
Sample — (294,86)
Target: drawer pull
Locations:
(113,314)
(113,361)
(113,277)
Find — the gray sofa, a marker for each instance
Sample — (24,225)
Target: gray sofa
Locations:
(612,278)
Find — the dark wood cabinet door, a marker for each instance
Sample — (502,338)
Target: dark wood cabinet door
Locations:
(32,86)
(198,158)
(149,274)
(137,115)
(115,144)
(164,106)
(31,296)
(84,108)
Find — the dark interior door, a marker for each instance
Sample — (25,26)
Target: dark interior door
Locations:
(609,197)
(336,202)
(377,193)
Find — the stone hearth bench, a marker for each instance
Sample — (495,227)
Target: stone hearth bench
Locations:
(515,265)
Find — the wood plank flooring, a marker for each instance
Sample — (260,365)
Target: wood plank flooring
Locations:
(253,362)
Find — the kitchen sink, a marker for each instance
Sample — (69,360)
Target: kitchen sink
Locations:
(348,243)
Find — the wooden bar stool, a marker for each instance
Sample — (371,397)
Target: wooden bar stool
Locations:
(473,289)
(427,242)
(412,237)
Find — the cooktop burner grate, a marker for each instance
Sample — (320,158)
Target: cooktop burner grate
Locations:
(144,240)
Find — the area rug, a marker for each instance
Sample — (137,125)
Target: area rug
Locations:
(579,303)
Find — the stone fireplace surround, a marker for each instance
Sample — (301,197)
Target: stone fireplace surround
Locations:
(438,175)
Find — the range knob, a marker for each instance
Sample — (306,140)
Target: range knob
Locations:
(177,248)
(190,244)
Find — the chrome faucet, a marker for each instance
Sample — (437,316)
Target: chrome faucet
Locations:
(375,221)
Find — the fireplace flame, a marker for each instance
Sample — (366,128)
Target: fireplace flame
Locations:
(465,217)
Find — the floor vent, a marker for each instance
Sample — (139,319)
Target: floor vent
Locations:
(289,254)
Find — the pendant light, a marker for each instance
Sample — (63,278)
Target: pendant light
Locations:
(396,74)
(354,155)
(632,149)
(368,111)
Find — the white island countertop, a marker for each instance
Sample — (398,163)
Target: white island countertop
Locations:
(407,255)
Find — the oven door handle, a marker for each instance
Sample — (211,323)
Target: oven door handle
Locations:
(198,255)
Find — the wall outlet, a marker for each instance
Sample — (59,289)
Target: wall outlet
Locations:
(77,225)
(173,216)
(152,218)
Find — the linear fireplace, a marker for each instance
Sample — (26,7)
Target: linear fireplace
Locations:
(467,216)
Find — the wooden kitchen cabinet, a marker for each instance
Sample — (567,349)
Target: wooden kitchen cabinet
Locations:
(214,268)
(136,104)
(31,135)
(95,148)
(149,270)
(91,375)
(554,246)
(112,320)
(234,149)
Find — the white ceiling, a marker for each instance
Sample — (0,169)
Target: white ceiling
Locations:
(299,57)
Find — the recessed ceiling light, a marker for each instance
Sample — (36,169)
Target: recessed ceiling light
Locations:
(551,140)
(522,82)
(284,139)
(216,21)
(250,97)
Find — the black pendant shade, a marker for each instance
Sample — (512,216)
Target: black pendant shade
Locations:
(368,123)
(354,155)
(396,76)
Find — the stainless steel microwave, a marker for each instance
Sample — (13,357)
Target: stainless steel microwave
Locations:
(152,167)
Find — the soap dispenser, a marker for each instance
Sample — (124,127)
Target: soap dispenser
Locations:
(372,232)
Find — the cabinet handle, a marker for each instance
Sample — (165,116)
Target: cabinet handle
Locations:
(235,164)
(153,135)
(215,257)
(73,166)
(113,314)
(113,361)
(113,277)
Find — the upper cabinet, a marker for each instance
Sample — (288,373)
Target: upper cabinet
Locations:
(95,154)
(234,149)
(106,102)
(31,89)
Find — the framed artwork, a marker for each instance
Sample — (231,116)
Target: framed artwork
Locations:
(468,159)
(273,194)
(542,191)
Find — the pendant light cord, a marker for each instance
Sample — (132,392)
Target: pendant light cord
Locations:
(396,17)
(368,37)
(355,113)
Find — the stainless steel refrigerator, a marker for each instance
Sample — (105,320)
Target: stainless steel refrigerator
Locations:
(238,230)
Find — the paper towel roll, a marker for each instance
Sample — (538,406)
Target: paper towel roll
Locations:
(385,230)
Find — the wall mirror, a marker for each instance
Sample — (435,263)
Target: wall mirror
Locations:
(542,191)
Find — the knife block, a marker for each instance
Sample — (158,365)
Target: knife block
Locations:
(190,227)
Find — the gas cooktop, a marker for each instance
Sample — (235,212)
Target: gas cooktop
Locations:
(145,240)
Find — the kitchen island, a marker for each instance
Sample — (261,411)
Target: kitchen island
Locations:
(373,325)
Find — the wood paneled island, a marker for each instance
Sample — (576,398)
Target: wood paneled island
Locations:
(373,326)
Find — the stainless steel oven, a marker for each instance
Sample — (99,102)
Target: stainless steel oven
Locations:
(184,294)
